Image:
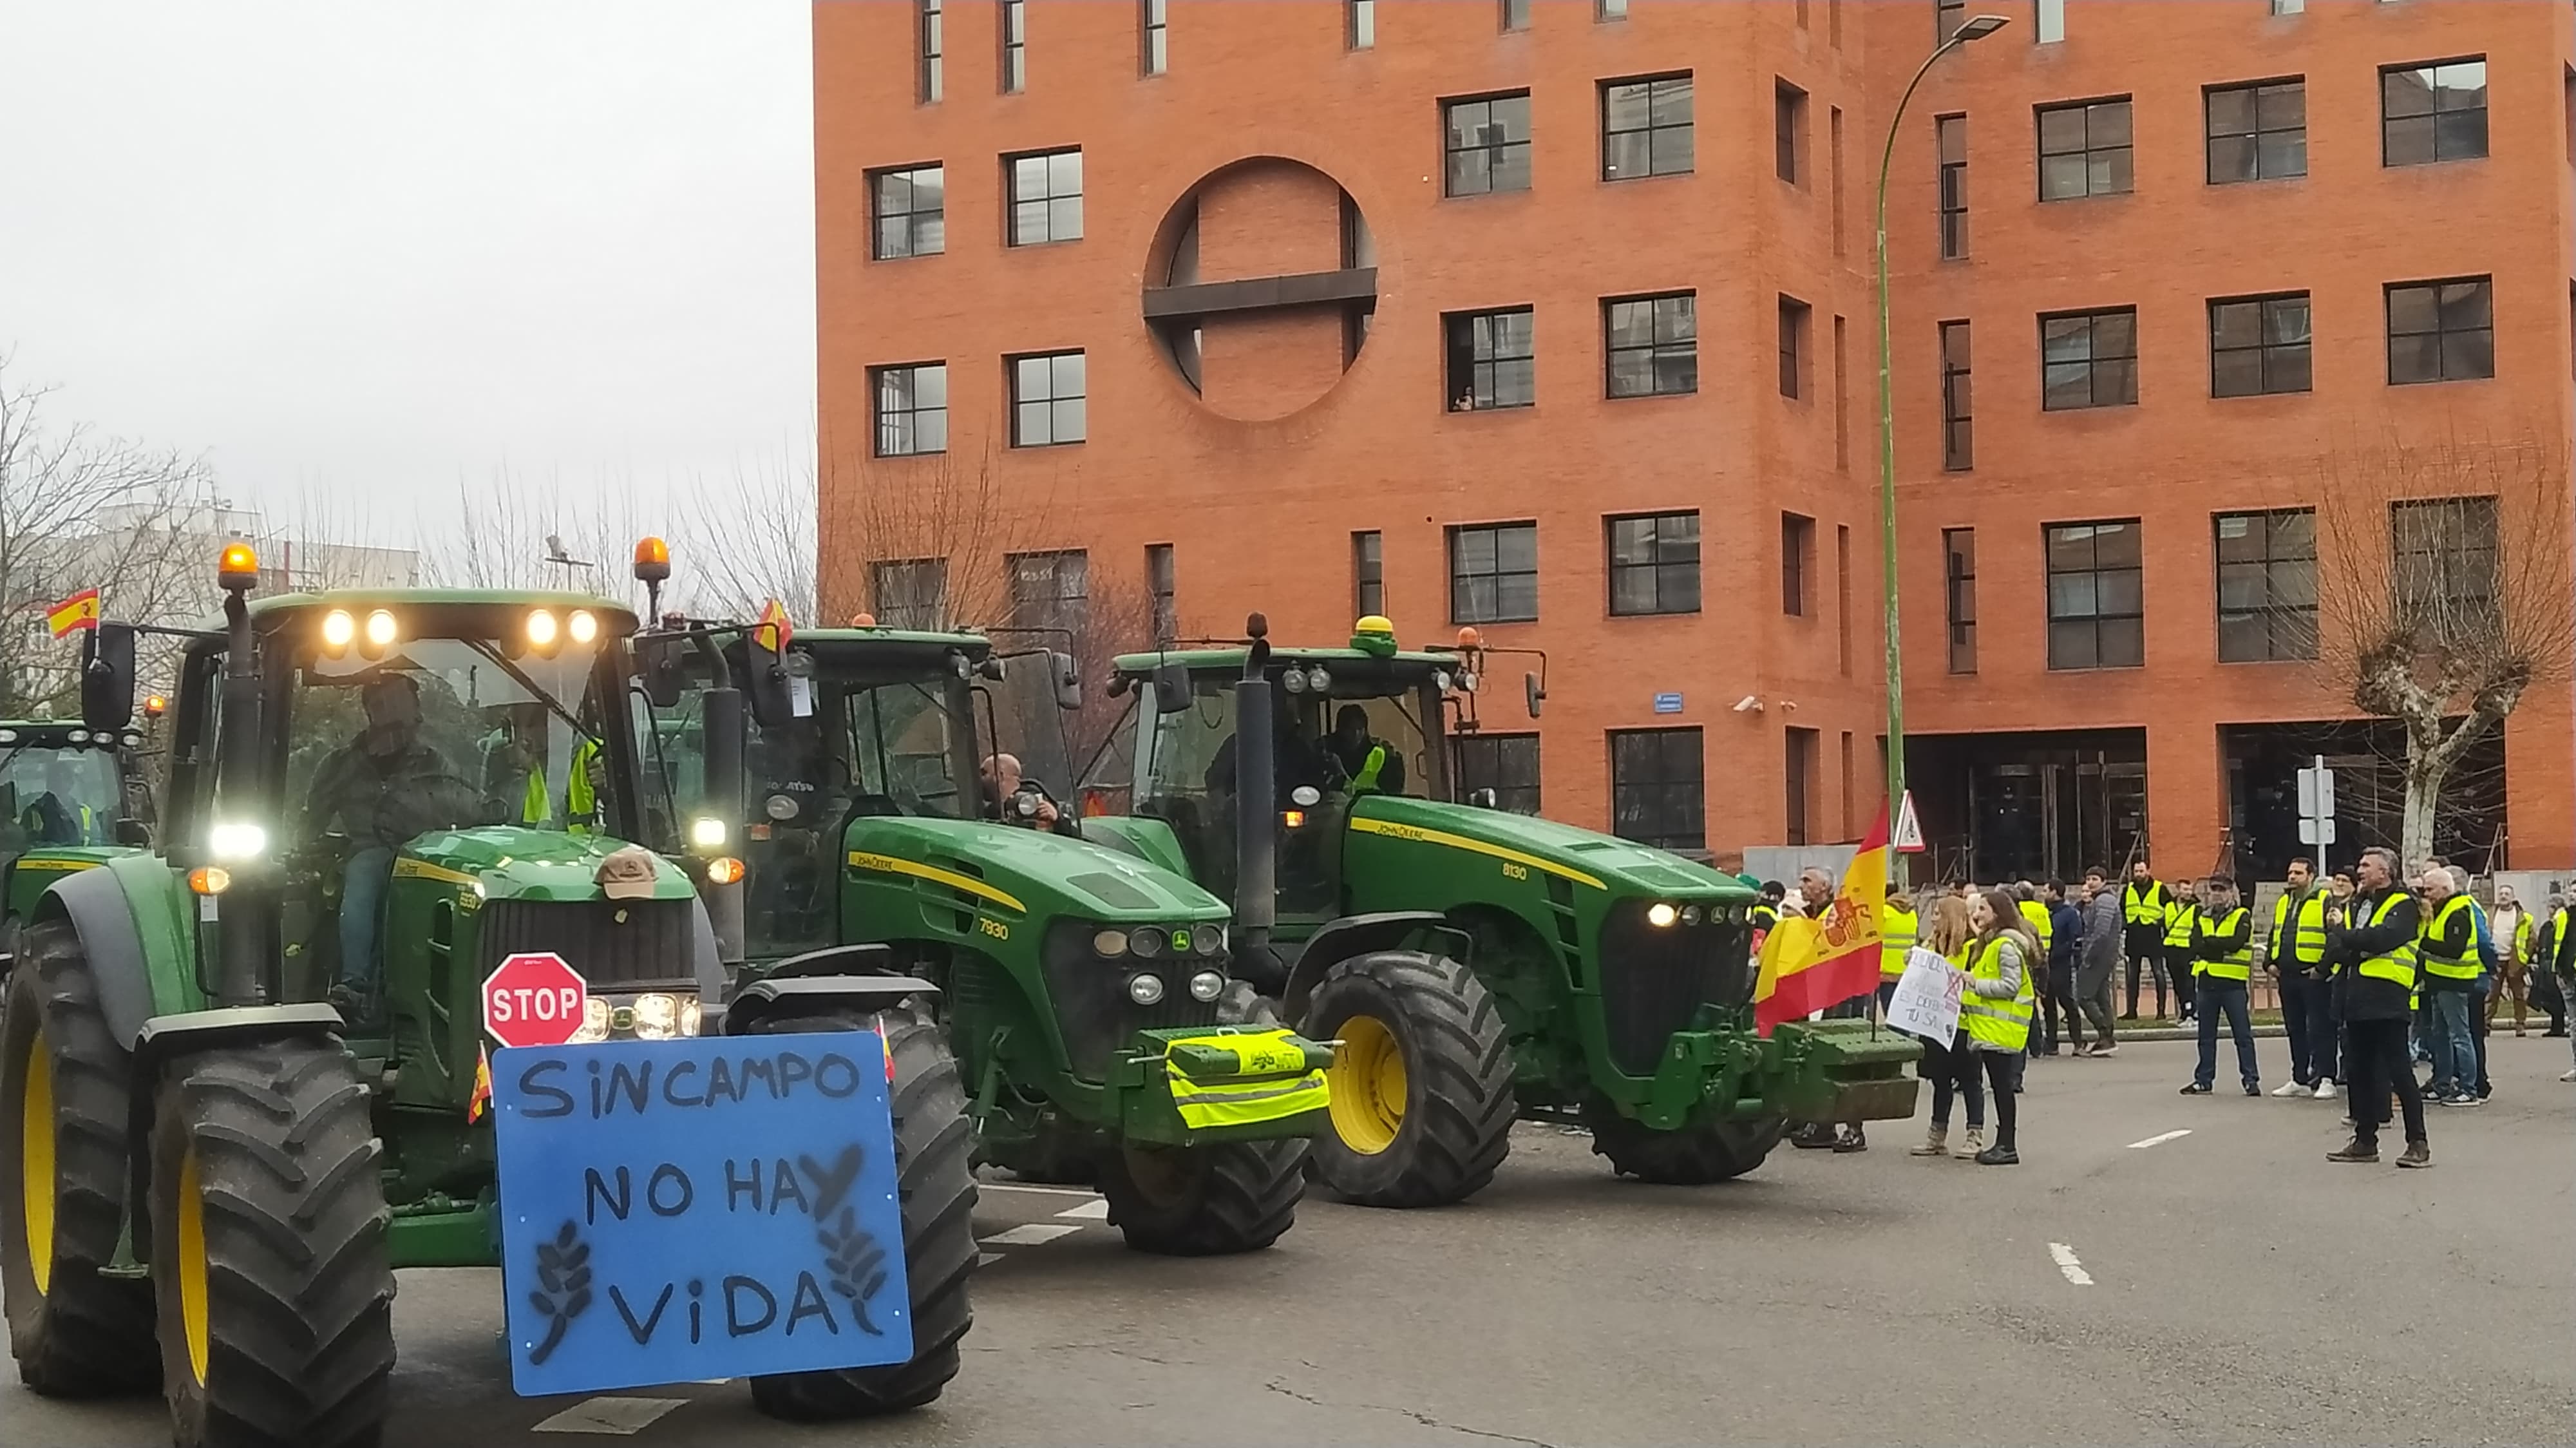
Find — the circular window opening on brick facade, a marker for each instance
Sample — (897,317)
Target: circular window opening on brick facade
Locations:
(1260,286)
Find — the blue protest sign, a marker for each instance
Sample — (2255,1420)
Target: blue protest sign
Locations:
(679,1210)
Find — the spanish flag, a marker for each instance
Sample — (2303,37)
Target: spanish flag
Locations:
(78,611)
(1812,965)
(774,630)
(481,1100)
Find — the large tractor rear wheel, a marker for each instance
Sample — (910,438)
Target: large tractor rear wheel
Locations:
(270,1264)
(935,1178)
(1204,1201)
(1692,1157)
(76,1331)
(1422,1082)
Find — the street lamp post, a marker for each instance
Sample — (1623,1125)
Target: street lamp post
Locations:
(1976,27)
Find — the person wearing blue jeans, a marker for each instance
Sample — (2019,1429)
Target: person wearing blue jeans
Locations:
(2448,949)
(2223,964)
(363,882)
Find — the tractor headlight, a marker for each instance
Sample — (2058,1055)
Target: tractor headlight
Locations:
(1690,915)
(1661,914)
(691,1016)
(657,1016)
(584,625)
(1210,939)
(1294,681)
(1144,990)
(380,630)
(339,630)
(543,629)
(1318,680)
(1147,942)
(1207,985)
(77,736)
(236,841)
(1111,943)
(707,832)
(594,1023)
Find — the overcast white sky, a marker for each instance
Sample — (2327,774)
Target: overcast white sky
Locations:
(376,248)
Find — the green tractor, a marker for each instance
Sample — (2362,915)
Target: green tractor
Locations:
(71,797)
(239,1070)
(1473,966)
(1088,995)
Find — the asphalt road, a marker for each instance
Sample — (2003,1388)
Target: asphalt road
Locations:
(2234,1287)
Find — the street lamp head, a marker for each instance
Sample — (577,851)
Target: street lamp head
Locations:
(1978,27)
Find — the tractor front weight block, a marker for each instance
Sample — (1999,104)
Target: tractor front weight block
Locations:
(1198,1086)
(1843,1070)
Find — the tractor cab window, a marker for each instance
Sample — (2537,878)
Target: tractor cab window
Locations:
(57,795)
(902,754)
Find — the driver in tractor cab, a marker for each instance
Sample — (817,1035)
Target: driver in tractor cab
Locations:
(57,817)
(1366,764)
(1015,799)
(380,789)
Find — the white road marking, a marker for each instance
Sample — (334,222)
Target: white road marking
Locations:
(2067,1264)
(1044,1191)
(1091,1211)
(987,1259)
(2159,1140)
(1030,1235)
(610,1415)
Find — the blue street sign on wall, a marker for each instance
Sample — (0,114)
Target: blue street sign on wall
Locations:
(680,1210)
(1668,703)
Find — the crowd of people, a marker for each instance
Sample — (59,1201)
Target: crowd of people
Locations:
(2378,970)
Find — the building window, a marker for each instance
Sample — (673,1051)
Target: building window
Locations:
(2088,359)
(912,409)
(1952,133)
(2267,585)
(2258,345)
(2084,150)
(2441,331)
(1160,580)
(1959,595)
(1646,127)
(1493,573)
(1516,14)
(929,27)
(2444,552)
(1154,36)
(2288,7)
(1507,764)
(1050,590)
(1788,131)
(1652,345)
(1947,17)
(1491,359)
(1609,9)
(1046,197)
(911,206)
(1015,46)
(2256,132)
(2048,22)
(2096,597)
(1359,28)
(1797,565)
(1658,789)
(1368,573)
(1958,409)
(2433,111)
(1654,563)
(1487,142)
(1798,774)
(1048,402)
(1793,346)
(909,593)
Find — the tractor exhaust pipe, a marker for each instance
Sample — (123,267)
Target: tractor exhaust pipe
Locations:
(1256,840)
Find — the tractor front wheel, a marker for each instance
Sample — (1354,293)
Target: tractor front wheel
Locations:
(77,1331)
(935,1179)
(1691,1157)
(1422,1082)
(270,1265)
(1204,1201)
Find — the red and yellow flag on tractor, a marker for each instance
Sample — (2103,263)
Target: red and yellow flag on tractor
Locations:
(773,629)
(1813,965)
(481,1101)
(78,611)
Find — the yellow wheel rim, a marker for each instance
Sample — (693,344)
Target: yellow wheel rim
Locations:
(36,1160)
(1368,1086)
(191,1267)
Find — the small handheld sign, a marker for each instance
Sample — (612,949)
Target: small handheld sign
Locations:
(534,999)
(681,1210)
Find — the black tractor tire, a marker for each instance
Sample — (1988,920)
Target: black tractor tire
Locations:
(270,1259)
(1456,1117)
(933,1155)
(1693,1157)
(1066,1159)
(1207,1201)
(84,1334)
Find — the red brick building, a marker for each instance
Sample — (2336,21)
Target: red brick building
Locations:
(1555,317)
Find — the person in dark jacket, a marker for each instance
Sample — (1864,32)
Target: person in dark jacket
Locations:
(2374,984)
(2065,947)
(2222,962)
(2104,940)
(2296,955)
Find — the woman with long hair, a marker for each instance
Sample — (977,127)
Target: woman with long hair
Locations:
(1950,1066)
(1995,1009)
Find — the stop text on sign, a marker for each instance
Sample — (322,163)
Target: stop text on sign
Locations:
(541,1003)
(534,999)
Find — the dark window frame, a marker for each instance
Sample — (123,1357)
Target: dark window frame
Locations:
(1510,768)
(1959,597)
(930,65)
(1502,155)
(1153,37)
(1958,398)
(2458,564)
(2257,129)
(2458,146)
(894,594)
(2122,365)
(1481,351)
(1796,320)
(910,430)
(1463,580)
(2442,332)
(1947,17)
(2120,156)
(1514,15)
(2283,567)
(2281,367)
(1659,787)
(1013,25)
(1671,343)
(910,217)
(1789,132)
(2122,619)
(1014,372)
(1681,135)
(1055,608)
(1048,201)
(1359,24)
(1368,572)
(1162,580)
(1654,558)
(1797,565)
(1953,183)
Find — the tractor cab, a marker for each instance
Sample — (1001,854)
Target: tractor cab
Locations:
(64,786)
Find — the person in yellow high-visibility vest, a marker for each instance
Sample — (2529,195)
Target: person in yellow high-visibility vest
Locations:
(2373,961)
(2144,901)
(2222,952)
(1995,1012)
(1898,927)
(2447,949)
(2182,919)
(2296,955)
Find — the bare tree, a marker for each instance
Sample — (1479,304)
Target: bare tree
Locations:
(935,551)
(750,540)
(78,510)
(2444,595)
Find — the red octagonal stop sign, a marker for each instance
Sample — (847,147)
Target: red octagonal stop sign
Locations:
(534,1000)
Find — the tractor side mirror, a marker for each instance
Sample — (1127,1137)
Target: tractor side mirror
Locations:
(1484,799)
(1171,689)
(765,686)
(661,668)
(134,834)
(1532,693)
(107,677)
(1068,683)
